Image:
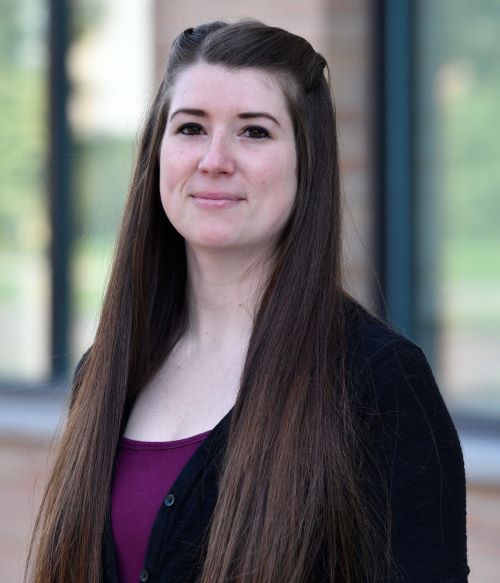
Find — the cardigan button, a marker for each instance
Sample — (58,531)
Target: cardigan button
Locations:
(143,575)
(169,500)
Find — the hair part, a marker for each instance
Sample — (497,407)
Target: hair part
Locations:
(291,496)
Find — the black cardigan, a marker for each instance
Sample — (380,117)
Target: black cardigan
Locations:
(415,442)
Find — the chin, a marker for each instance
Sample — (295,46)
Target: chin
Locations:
(222,240)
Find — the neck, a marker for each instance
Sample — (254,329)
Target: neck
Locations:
(223,291)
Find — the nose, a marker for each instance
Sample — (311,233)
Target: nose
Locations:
(217,158)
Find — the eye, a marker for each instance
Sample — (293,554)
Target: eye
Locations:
(190,129)
(257,132)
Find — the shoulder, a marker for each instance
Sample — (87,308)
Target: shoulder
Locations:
(77,376)
(80,365)
(370,338)
(380,356)
(415,448)
(392,377)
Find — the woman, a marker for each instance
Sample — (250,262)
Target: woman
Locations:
(239,417)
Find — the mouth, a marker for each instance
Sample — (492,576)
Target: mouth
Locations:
(215,199)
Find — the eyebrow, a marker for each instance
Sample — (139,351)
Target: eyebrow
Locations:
(245,115)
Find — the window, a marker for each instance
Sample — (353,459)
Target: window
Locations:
(111,69)
(24,223)
(457,178)
(73,147)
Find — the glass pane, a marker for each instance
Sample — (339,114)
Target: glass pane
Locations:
(24,231)
(458,117)
(111,69)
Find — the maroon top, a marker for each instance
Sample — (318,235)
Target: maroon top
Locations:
(145,472)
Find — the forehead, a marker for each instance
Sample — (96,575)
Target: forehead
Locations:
(217,87)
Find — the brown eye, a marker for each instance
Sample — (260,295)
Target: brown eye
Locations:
(256,132)
(190,129)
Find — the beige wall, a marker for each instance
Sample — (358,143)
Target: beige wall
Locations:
(341,31)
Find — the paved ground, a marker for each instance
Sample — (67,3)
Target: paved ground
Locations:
(23,466)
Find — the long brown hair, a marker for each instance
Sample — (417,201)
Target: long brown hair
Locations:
(291,493)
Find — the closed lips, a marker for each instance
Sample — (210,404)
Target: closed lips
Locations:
(217,196)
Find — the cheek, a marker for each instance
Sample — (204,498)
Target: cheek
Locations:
(279,187)
(286,177)
(290,184)
(280,171)
(172,174)
(167,192)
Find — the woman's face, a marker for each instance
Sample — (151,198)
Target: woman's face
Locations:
(228,159)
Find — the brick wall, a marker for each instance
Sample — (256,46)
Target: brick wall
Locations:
(341,31)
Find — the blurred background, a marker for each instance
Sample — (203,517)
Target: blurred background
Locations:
(417,89)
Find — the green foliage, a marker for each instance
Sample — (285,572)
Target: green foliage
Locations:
(471,30)
(10,33)
(469,122)
(86,14)
(471,156)
(23,181)
(101,172)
